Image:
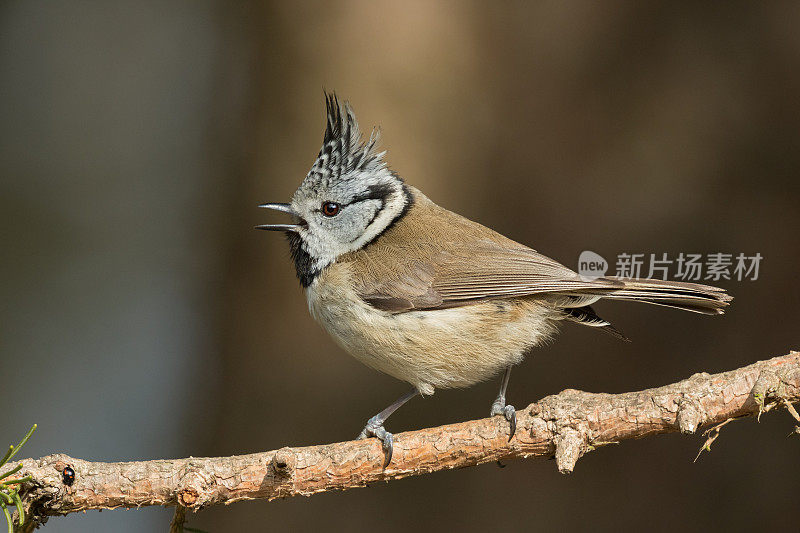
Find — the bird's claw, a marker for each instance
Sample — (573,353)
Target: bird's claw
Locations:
(499,407)
(374,428)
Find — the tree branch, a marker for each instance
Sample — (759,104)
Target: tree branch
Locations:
(564,426)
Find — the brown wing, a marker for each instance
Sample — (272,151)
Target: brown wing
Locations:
(433,259)
(463,272)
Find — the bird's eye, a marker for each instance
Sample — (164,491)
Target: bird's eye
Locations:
(330,209)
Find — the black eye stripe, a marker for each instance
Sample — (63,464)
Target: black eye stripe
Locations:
(374,192)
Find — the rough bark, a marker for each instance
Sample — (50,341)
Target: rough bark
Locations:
(564,426)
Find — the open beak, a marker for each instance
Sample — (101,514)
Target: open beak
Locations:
(286,208)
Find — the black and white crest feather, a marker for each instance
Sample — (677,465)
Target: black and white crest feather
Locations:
(343,150)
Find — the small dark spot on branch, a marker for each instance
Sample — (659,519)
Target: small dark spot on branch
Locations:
(68,476)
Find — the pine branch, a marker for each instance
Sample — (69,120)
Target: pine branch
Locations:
(565,426)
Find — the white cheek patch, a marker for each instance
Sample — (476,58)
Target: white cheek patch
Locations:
(321,253)
(393,205)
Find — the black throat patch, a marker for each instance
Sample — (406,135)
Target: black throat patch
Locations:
(303,264)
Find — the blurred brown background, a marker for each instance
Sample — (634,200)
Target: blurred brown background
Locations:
(143,317)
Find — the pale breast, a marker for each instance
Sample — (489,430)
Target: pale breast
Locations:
(443,348)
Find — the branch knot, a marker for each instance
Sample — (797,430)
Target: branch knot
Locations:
(193,490)
(284,462)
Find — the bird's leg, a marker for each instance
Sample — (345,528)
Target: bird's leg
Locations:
(374,427)
(499,406)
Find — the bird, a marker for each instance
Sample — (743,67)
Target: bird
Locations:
(428,296)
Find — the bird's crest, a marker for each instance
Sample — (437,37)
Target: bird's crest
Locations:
(344,150)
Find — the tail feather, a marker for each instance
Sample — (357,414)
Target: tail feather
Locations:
(680,295)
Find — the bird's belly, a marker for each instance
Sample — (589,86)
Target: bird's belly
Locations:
(445,348)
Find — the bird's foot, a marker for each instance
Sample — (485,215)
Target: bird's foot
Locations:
(499,407)
(374,428)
